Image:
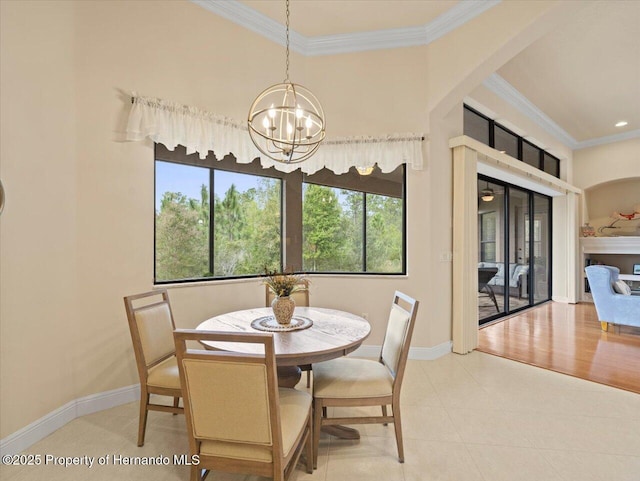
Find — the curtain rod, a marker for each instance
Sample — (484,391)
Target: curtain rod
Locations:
(373,140)
(347,141)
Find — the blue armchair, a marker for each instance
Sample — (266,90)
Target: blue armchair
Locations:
(612,307)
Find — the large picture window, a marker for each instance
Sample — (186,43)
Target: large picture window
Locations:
(220,219)
(350,231)
(246,231)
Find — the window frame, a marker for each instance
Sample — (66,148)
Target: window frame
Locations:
(483,240)
(290,205)
(543,155)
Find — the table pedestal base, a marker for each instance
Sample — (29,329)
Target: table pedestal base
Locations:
(289,376)
(342,432)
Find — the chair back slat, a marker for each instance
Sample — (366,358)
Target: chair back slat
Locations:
(155,328)
(230,397)
(228,401)
(151,325)
(397,339)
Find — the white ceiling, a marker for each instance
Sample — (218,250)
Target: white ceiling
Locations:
(313,18)
(585,77)
(576,82)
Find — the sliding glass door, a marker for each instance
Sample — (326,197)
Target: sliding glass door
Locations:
(541,248)
(491,249)
(514,250)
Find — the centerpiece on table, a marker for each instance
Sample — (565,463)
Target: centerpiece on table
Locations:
(282,285)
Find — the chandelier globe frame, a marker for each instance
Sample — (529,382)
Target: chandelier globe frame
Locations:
(286,123)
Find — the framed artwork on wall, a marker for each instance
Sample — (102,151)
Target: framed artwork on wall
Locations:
(636,269)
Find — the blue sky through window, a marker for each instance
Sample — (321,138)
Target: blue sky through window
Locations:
(188,180)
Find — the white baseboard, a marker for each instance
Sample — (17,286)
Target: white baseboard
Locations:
(418,353)
(20,440)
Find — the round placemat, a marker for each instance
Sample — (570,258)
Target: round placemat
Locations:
(269,324)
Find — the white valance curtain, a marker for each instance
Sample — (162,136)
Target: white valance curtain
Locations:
(172,124)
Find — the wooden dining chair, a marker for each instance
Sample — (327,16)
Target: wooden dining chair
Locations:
(301,298)
(238,420)
(151,324)
(351,382)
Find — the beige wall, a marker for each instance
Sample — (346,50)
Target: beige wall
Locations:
(620,195)
(77,231)
(610,177)
(606,163)
(39,315)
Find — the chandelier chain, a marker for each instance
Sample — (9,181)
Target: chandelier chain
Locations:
(286,80)
(286,121)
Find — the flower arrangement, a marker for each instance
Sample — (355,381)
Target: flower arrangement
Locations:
(283,284)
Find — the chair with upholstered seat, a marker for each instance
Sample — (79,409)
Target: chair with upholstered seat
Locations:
(613,304)
(238,420)
(351,382)
(151,324)
(301,298)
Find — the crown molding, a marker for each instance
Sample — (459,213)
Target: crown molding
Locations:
(507,92)
(631,134)
(511,95)
(453,18)
(255,21)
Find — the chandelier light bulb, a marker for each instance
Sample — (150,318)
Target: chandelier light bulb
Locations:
(308,124)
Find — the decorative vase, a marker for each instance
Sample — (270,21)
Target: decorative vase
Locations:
(283,309)
(587,230)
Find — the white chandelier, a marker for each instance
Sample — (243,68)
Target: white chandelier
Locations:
(286,121)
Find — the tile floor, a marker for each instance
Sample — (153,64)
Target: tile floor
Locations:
(474,418)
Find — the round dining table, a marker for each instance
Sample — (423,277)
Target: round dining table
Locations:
(332,334)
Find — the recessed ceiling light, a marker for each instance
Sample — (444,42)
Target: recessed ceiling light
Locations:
(622,123)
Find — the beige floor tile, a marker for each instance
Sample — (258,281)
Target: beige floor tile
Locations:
(582,433)
(489,427)
(438,461)
(468,395)
(364,460)
(600,403)
(428,423)
(418,390)
(506,463)
(9,472)
(575,466)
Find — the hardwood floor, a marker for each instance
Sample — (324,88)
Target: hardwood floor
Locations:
(567,338)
